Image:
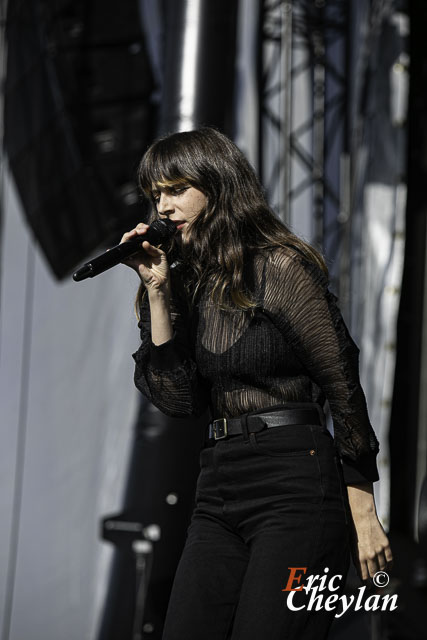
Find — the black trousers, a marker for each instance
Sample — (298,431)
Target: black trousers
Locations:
(263,507)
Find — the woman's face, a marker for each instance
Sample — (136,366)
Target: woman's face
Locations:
(180,203)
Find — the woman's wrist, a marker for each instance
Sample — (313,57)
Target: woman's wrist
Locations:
(159,296)
(361,499)
(161,322)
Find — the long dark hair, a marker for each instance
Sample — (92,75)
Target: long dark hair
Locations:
(236,220)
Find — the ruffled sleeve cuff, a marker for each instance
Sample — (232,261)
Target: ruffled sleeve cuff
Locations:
(165,357)
(364,470)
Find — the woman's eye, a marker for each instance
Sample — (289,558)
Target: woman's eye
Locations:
(172,191)
(178,190)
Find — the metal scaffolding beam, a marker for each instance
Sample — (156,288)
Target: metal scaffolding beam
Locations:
(303,114)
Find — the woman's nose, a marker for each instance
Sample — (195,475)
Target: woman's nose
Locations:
(164,204)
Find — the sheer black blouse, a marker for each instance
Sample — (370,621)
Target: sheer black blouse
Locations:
(294,347)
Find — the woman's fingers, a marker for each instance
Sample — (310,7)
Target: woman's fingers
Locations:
(140,229)
(368,566)
(127,235)
(381,561)
(364,571)
(373,566)
(152,251)
(148,261)
(370,549)
(388,556)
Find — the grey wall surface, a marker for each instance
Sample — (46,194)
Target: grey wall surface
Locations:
(67,408)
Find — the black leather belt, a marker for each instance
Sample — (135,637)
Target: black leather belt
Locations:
(255,422)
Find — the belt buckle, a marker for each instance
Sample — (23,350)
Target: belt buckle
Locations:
(220,431)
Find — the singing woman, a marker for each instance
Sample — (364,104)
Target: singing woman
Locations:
(237,319)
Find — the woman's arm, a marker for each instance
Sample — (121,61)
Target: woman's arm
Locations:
(369,545)
(152,267)
(161,321)
(165,372)
(305,311)
(302,307)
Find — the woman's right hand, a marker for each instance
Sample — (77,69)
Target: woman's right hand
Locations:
(150,263)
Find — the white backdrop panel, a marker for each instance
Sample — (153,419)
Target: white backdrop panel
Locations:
(75,435)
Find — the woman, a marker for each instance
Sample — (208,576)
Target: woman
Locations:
(238,319)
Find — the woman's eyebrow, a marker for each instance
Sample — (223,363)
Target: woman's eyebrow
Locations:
(168,188)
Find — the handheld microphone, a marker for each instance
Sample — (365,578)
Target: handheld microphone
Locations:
(158,232)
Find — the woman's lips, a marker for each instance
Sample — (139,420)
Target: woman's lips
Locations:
(180,225)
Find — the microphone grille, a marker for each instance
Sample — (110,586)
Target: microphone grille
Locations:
(165,228)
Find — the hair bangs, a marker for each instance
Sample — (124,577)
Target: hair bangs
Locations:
(167,164)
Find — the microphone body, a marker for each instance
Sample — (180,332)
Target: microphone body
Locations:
(158,232)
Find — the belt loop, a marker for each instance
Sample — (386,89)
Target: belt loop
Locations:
(321,413)
(245,432)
